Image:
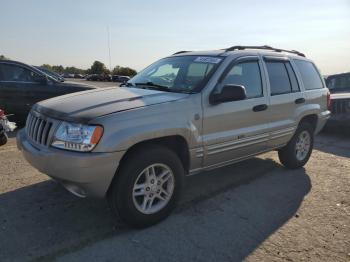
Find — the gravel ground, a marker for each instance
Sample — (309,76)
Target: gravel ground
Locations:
(254,211)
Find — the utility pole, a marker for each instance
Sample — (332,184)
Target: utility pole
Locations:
(109,49)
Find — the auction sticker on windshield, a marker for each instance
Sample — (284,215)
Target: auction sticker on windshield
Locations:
(207,59)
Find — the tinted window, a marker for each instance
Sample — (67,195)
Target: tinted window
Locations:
(292,78)
(339,82)
(15,73)
(279,79)
(309,75)
(246,74)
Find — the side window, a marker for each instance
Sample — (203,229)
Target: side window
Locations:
(292,78)
(309,75)
(279,79)
(248,75)
(1,75)
(16,73)
(330,82)
(343,82)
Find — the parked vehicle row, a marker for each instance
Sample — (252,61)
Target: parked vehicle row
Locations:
(186,113)
(109,78)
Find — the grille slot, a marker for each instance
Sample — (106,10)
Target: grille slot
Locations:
(340,106)
(38,129)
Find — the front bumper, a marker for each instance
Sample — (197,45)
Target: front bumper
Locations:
(83,174)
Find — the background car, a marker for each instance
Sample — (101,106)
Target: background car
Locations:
(66,75)
(99,77)
(118,78)
(78,76)
(92,77)
(23,85)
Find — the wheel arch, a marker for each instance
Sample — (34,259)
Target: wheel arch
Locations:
(312,119)
(176,143)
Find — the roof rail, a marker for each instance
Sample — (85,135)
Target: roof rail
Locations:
(264,47)
(180,52)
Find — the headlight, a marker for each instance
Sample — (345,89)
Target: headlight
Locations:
(77,137)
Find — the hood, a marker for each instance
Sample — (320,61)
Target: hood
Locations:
(85,106)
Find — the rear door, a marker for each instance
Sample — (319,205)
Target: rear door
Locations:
(234,130)
(285,99)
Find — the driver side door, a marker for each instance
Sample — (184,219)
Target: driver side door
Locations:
(237,129)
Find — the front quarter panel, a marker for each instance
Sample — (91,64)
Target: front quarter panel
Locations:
(125,129)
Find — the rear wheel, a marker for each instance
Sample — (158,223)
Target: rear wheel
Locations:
(298,150)
(147,186)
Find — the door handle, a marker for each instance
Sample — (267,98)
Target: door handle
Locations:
(299,100)
(260,108)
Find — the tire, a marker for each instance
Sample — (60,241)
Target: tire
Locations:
(3,139)
(289,156)
(121,195)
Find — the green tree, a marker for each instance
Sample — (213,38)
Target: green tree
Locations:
(58,69)
(98,68)
(74,70)
(125,71)
(47,66)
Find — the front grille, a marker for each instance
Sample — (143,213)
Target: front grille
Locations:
(38,129)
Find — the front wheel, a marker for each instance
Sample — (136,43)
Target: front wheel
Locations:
(3,139)
(298,150)
(147,186)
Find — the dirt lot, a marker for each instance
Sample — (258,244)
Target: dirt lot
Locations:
(255,210)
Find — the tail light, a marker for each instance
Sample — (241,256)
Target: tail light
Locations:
(329,101)
(2,113)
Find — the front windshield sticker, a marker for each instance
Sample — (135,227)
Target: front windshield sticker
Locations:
(207,59)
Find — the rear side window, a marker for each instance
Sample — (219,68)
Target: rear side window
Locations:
(309,75)
(15,73)
(246,74)
(279,79)
(338,82)
(292,78)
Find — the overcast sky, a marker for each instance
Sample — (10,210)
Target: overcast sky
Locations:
(74,33)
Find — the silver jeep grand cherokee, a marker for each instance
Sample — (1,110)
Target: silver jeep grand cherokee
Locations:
(186,113)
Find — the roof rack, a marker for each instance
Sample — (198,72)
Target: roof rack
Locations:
(264,47)
(180,52)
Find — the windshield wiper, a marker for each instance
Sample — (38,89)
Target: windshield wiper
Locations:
(151,85)
(154,86)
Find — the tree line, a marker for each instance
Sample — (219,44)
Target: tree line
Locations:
(96,68)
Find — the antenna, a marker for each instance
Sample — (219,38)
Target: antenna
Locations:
(109,49)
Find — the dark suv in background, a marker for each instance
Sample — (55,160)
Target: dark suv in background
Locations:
(21,86)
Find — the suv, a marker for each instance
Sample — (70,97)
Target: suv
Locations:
(186,113)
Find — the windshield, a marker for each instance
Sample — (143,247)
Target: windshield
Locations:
(177,74)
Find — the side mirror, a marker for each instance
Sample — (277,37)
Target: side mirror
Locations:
(228,93)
